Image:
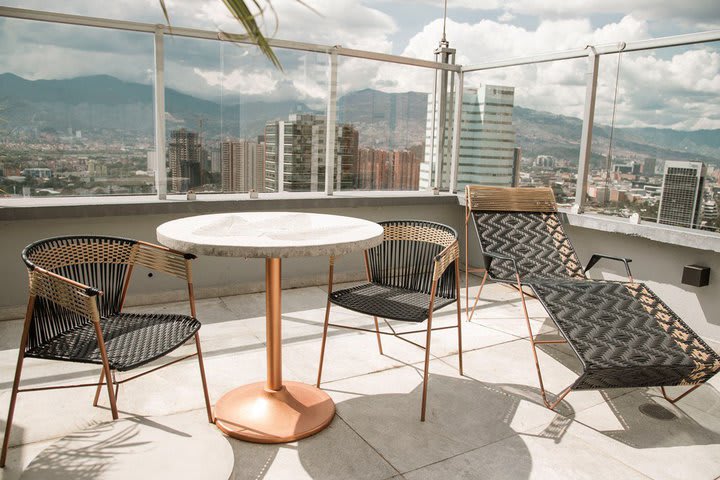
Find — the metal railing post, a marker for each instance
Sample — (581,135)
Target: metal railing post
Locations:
(456,135)
(586,139)
(159,105)
(330,133)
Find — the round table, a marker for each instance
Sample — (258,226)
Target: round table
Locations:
(272,411)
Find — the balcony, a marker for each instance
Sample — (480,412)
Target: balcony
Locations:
(488,423)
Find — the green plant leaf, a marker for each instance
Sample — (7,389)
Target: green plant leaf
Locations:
(241,12)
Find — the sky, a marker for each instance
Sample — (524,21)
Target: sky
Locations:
(671,88)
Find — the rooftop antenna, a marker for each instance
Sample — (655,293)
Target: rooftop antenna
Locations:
(440,112)
(444,41)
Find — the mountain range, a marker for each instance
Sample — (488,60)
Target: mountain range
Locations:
(390,120)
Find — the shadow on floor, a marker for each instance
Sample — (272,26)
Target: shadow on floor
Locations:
(645,418)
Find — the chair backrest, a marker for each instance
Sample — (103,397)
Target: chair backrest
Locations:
(522,224)
(100,262)
(406,257)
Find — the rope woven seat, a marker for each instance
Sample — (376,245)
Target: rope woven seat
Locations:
(77,288)
(391,303)
(623,334)
(409,276)
(131,340)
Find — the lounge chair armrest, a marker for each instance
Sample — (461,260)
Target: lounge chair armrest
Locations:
(489,257)
(596,257)
(445,258)
(163,259)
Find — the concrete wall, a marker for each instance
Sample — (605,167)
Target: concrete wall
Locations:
(659,264)
(212,276)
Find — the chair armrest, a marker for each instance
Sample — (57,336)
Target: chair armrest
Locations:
(163,259)
(489,257)
(596,257)
(445,258)
(62,291)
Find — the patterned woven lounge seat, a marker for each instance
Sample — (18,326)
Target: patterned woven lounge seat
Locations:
(622,332)
(77,289)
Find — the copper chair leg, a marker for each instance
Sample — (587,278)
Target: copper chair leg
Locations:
(677,399)
(322,345)
(459,316)
(377,332)
(201,364)
(543,393)
(99,387)
(16,380)
(477,297)
(106,367)
(11,411)
(427,364)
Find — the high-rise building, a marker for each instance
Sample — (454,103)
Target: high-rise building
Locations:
(259,185)
(388,170)
(295,154)
(648,166)
(486,153)
(185,155)
(682,194)
(240,166)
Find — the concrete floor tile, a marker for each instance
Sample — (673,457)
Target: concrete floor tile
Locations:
(644,431)
(336,452)
(173,446)
(512,365)
(462,414)
(528,456)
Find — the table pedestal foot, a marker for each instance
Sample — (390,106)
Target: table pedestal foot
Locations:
(256,414)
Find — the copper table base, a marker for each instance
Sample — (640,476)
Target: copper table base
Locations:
(256,414)
(274,411)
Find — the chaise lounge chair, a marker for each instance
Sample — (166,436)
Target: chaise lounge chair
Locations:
(621,332)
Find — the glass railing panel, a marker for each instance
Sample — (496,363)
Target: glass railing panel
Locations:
(385,126)
(522,126)
(76,110)
(655,141)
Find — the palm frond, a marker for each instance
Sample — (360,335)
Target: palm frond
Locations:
(242,14)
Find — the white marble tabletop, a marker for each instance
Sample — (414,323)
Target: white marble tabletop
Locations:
(269,234)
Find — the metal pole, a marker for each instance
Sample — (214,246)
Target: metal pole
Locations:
(159,104)
(586,139)
(456,137)
(330,127)
(442,114)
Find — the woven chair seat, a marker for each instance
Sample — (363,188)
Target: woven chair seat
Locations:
(392,303)
(625,336)
(131,340)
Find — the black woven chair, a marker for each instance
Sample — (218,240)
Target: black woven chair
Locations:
(408,279)
(74,313)
(622,333)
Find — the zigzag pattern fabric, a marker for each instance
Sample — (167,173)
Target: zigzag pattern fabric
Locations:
(536,241)
(619,341)
(623,334)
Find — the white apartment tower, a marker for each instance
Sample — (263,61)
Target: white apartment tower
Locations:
(682,194)
(487,140)
(239,166)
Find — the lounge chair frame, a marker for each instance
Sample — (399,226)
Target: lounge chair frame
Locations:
(541,200)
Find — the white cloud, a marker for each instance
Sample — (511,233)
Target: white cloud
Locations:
(506,17)
(675,88)
(697,11)
(240,80)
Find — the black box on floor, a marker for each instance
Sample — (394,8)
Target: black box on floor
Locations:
(696,275)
